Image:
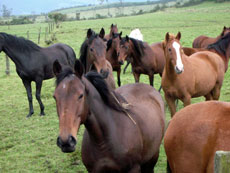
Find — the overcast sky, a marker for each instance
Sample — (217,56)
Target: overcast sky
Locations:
(20,7)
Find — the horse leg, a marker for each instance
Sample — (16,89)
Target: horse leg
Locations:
(208,97)
(151,79)
(216,92)
(171,103)
(27,85)
(186,100)
(136,77)
(149,166)
(135,169)
(38,91)
(128,62)
(118,77)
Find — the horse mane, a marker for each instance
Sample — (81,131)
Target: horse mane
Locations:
(109,42)
(221,45)
(65,73)
(139,46)
(19,43)
(110,98)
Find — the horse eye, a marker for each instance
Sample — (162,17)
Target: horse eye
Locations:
(126,47)
(91,49)
(80,96)
(170,49)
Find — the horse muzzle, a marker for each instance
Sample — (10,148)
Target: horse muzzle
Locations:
(67,146)
(179,71)
(121,62)
(104,73)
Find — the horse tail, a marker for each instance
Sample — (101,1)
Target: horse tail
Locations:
(168,167)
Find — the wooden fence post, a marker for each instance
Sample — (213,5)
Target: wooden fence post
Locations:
(7,66)
(39,34)
(222,162)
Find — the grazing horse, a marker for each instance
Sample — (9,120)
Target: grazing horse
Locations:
(143,59)
(200,74)
(112,54)
(221,47)
(113,29)
(93,56)
(123,128)
(194,134)
(203,41)
(34,63)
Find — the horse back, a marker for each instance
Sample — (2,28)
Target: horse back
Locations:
(203,41)
(195,133)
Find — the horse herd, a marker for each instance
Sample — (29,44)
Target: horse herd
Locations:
(125,126)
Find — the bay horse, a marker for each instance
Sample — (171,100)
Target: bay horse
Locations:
(200,74)
(123,128)
(203,41)
(34,63)
(143,59)
(112,54)
(93,56)
(113,29)
(194,134)
(221,47)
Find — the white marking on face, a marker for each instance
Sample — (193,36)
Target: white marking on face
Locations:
(63,86)
(179,65)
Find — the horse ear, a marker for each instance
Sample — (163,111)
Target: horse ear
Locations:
(78,67)
(224,28)
(112,25)
(102,33)
(167,37)
(57,67)
(120,34)
(178,36)
(127,38)
(89,33)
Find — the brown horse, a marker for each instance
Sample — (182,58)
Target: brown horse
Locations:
(185,77)
(117,138)
(194,134)
(92,56)
(112,54)
(221,47)
(143,59)
(203,41)
(113,29)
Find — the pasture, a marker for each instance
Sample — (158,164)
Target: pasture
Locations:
(29,145)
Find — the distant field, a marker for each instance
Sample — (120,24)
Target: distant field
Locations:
(29,145)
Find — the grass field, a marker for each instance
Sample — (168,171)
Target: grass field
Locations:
(29,145)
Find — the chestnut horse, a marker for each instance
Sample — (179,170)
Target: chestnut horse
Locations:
(185,77)
(221,47)
(203,41)
(113,29)
(143,59)
(112,54)
(92,56)
(117,138)
(194,134)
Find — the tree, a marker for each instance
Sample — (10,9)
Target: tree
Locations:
(57,17)
(5,11)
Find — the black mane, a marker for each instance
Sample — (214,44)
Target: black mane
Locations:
(65,73)
(19,43)
(107,96)
(221,45)
(138,45)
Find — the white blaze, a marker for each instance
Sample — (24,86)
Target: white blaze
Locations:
(179,64)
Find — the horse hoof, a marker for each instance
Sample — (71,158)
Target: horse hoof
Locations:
(29,115)
(42,114)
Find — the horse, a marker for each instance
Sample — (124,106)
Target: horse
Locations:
(200,74)
(143,59)
(123,128)
(113,29)
(203,41)
(221,47)
(194,134)
(34,63)
(112,54)
(93,56)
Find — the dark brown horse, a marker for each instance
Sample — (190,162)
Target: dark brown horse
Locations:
(203,41)
(123,128)
(35,63)
(194,134)
(143,59)
(185,77)
(113,29)
(113,46)
(221,47)
(93,56)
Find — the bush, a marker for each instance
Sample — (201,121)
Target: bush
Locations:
(18,21)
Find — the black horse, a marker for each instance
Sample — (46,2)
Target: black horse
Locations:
(34,63)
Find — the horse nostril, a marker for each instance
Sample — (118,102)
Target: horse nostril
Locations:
(72,141)
(101,71)
(59,142)
(121,62)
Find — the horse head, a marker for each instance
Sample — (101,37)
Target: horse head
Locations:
(70,102)
(124,50)
(173,51)
(225,31)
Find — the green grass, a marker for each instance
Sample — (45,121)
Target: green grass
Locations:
(29,145)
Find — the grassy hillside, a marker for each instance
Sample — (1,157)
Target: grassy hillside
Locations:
(29,145)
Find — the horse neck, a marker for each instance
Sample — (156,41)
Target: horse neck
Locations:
(97,123)
(134,55)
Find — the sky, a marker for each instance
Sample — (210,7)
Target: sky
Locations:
(21,7)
